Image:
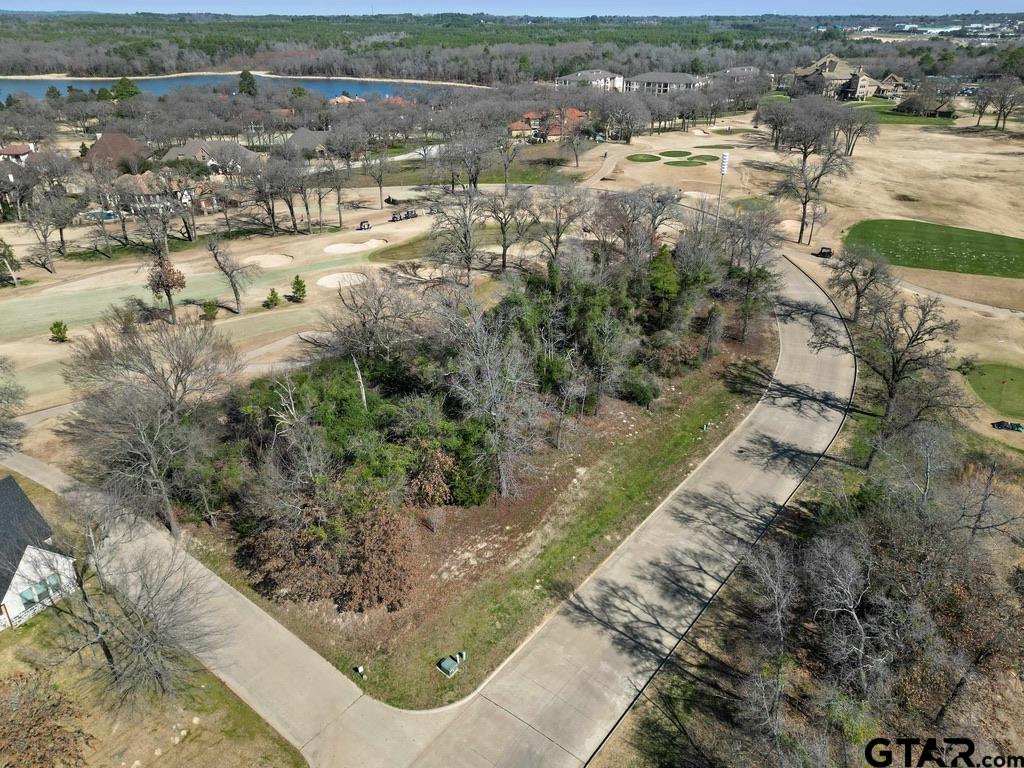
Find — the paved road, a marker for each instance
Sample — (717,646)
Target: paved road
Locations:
(557,697)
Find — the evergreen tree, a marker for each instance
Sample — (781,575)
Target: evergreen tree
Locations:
(298,289)
(247,83)
(663,287)
(124,89)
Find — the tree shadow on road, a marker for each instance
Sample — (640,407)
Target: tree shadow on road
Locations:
(752,377)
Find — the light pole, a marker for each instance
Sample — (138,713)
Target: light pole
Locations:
(721,185)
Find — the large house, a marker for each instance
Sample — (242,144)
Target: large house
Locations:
(33,574)
(115,150)
(221,156)
(601,79)
(664,82)
(546,125)
(835,78)
(309,143)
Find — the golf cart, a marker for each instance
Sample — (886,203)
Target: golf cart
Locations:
(410,214)
(1009,426)
(823,253)
(396,216)
(363,225)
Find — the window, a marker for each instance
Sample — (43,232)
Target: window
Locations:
(38,592)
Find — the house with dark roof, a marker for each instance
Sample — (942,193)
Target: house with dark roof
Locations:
(309,143)
(221,156)
(115,150)
(33,574)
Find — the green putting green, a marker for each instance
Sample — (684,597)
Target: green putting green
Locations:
(685,163)
(936,246)
(675,153)
(705,158)
(716,146)
(1000,386)
(643,158)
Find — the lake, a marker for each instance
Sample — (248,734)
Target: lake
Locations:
(161,85)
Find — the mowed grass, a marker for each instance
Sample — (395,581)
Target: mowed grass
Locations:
(675,153)
(685,163)
(1000,386)
(642,157)
(888,115)
(716,146)
(936,246)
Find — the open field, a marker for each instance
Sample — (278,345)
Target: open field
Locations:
(934,246)
(1000,386)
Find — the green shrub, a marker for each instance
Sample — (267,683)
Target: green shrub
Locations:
(639,386)
(272,300)
(210,309)
(58,331)
(298,290)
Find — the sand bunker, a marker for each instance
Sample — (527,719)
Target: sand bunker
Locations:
(349,248)
(341,280)
(269,260)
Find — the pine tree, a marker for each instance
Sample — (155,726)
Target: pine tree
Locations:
(247,83)
(298,290)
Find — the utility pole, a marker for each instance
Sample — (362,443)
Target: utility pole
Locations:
(721,186)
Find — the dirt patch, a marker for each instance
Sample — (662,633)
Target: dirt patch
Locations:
(345,249)
(341,280)
(1005,292)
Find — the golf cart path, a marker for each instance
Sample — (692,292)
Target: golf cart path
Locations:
(553,702)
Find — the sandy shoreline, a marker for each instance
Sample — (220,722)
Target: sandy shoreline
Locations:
(236,72)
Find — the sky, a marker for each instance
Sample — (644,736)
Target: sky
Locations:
(535,7)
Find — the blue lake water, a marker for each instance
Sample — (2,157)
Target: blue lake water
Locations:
(161,85)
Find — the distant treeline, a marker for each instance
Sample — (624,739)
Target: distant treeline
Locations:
(469,48)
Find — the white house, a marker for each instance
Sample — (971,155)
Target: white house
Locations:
(32,573)
(660,83)
(601,79)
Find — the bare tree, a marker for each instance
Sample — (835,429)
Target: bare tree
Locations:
(135,612)
(507,149)
(513,216)
(377,165)
(901,342)
(456,233)
(804,180)
(856,272)
(980,100)
(839,574)
(12,398)
(855,123)
(557,210)
(775,591)
(379,318)
(238,274)
(493,380)
(1007,96)
(183,366)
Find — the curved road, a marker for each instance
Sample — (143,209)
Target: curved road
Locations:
(556,698)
